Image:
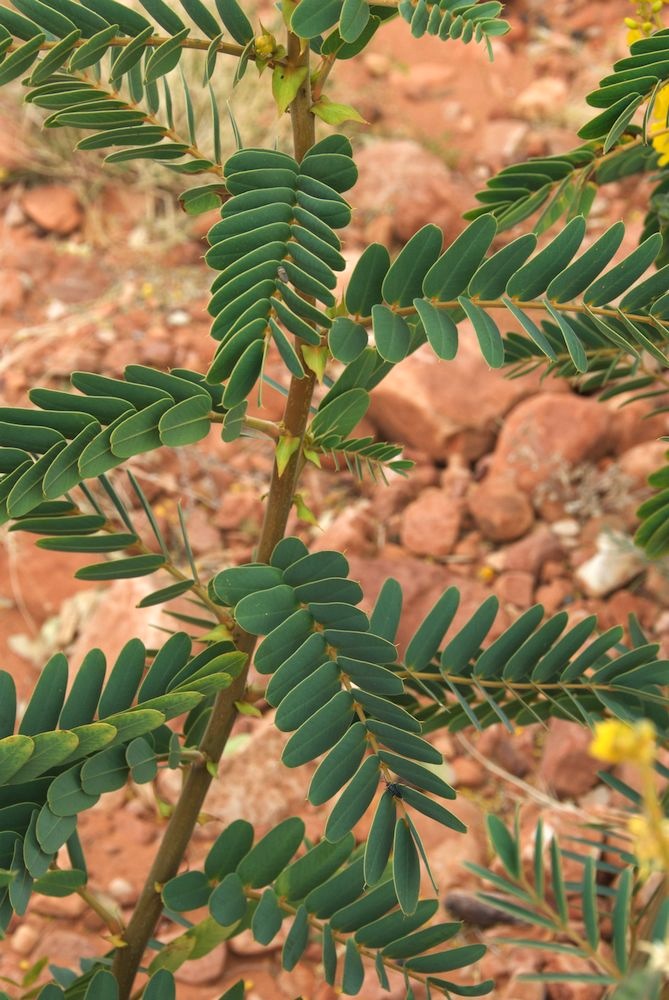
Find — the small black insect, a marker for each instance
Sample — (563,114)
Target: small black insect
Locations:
(394,789)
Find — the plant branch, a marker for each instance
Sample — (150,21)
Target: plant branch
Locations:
(201,44)
(565,307)
(184,818)
(111,919)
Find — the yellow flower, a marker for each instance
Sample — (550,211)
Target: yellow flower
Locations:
(633,35)
(659,124)
(650,843)
(616,742)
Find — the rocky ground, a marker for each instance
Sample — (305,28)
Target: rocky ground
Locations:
(521,489)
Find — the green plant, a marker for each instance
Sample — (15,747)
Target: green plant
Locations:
(335,677)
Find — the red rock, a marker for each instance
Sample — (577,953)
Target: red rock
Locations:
(353,530)
(631,423)
(15,151)
(54,208)
(501,512)
(27,576)
(388,169)
(117,619)
(512,753)
(204,537)
(639,461)
(468,773)
(390,500)
(253,782)
(205,970)
(531,553)
(515,587)
(621,605)
(422,585)
(432,407)
(13,289)
(552,570)
(69,947)
(554,594)
(546,434)
(428,80)
(542,99)
(239,507)
(448,850)
(431,524)
(502,142)
(518,989)
(504,960)
(567,767)
(572,990)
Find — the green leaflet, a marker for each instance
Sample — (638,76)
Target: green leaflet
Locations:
(414,944)
(129,21)
(380,839)
(391,334)
(267,918)
(93,49)
(364,289)
(66,796)
(27,492)
(313,868)
(354,800)
(396,925)
(406,868)
(267,859)
(425,643)
(41,715)
(81,703)
(309,695)
(447,961)
(487,333)
(164,58)
(574,345)
(576,278)
(48,19)
(339,416)
(235,20)
(339,765)
(229,849)
(620,277)
(347,340)
(490,280)
(450,275)
(320,732)
(227,903)
(354,18)
(204,20)
(534,277)
(441,331)
(296,940)
(88,543)
(262,612)
(405,279)
(15,751)
(139,432)
(55,58)
(121,569)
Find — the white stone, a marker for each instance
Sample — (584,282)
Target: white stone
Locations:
(615,563)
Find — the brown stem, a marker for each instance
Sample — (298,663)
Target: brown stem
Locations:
(186,812)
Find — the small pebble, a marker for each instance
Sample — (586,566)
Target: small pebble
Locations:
(24,939)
